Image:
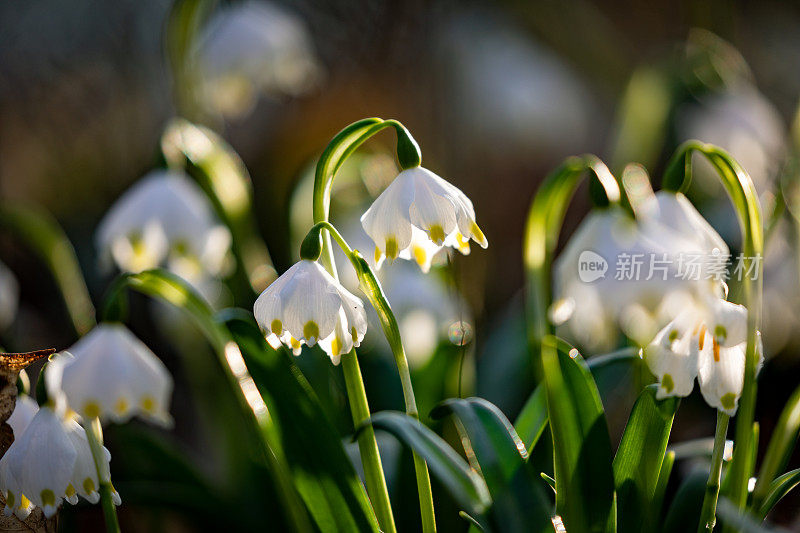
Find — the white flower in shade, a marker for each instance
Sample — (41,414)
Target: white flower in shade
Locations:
(111,374)
(165,218)
(417,215)
(653,268)
(39,464)
(9,296)
(307,305)
(48,461)
(252,48)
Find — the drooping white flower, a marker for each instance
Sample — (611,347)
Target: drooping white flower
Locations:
(39,464)
(111,374)
(252,48)
(708,342)
(669,254)
(48,461)
(9,296)
(164,219)
(307,305)
(417,215)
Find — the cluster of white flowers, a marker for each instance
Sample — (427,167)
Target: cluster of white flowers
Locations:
(704,336)
(109,375)
(165,219)
(417,215)
(49,461)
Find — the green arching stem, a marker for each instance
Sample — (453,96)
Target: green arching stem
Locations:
(708,514)
(542,228)
(742,192)
(408,155)
(94,434)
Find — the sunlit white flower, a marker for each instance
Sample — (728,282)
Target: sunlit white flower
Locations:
(9,296)
(111,374)
(250,48)
(307,305)
(638,300)
(164,218)
(707,342)
(417,215)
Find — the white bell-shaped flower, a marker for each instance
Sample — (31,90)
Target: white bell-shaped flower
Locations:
(39,464)
(111,374)
(250,48)
(9,296)
(670,358)
(165,217)
(417,215)
(307,305)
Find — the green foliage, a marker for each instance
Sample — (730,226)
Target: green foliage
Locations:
(639,459)
(464,483)
(496,451)
(321,471)
(41,233)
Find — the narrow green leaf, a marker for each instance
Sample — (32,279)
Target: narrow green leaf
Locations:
(322,472)
(224,177)
(38,230)
(661,489)
(684,513)
(780,448)
(465,485)
(532,419)
(497,452)
(585,496)
(777,490)
(637,464)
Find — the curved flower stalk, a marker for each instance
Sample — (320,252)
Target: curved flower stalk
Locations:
(165,219)
(49,461)
(417,215)
(111,375)
(743,195)
(542,228)
(408,155)
(306,305)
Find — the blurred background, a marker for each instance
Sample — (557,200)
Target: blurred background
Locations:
(496,93)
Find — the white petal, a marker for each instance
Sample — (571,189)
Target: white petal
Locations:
(46,459)
(671,360)
(727,322)
(84,475)
(388,216)
(24,411)
(721,375)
